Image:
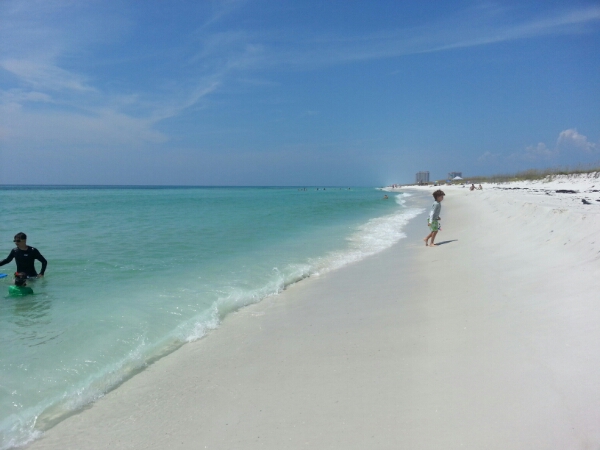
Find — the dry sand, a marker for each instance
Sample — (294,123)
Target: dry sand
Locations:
(487,341)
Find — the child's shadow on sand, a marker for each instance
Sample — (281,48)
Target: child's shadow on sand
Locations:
(446,242)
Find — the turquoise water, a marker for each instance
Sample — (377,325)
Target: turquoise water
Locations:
(134,273)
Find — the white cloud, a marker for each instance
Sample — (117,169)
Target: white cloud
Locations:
(571,140)
(44,45)
(533,153)
(488,157)
(222,8)
(44,76)
(468,28)
(19,96)
(47,106)
(539,151)
(63,129)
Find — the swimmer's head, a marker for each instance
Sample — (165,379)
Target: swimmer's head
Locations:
(20,279)
(20,237)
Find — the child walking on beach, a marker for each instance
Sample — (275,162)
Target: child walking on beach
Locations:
(433,222)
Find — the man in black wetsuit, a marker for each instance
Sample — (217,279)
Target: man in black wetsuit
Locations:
(25,257)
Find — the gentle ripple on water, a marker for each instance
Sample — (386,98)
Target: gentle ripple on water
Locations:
(134,273)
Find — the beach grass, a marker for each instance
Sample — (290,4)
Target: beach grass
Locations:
(536,174)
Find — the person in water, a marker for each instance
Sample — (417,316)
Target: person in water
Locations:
(25,257)
(20,287)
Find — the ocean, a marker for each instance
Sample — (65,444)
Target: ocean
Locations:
(136,272)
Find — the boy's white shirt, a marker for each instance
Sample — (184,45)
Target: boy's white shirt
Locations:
(434,214)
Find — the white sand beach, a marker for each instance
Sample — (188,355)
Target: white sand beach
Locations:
(488,341)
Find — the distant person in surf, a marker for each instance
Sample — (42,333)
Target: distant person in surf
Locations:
(25,257)
(20,288)
(385,197)
(472,188)
(433,221)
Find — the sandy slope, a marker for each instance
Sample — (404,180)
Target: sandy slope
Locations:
(488,341)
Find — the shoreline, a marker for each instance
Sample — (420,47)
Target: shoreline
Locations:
(486,341)
(164,307)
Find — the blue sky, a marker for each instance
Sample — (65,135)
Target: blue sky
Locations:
(282,92)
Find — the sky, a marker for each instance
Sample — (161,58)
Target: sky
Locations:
(294,92)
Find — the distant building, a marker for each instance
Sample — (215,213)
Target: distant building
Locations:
(452,175)
(422,177)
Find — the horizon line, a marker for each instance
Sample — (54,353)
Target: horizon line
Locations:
(180,186)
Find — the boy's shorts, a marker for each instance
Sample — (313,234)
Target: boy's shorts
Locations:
(434,225)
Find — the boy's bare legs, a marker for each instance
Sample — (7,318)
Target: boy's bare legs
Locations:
(427,239)
(430,236)
(433,234)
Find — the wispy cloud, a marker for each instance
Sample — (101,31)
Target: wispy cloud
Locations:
(41,75)
(221,9)
(489,31)
(45,46)
(469,28)
(103,129)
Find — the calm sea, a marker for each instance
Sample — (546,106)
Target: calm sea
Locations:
(134,273)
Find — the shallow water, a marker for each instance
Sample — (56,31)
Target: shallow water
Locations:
(134,273)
